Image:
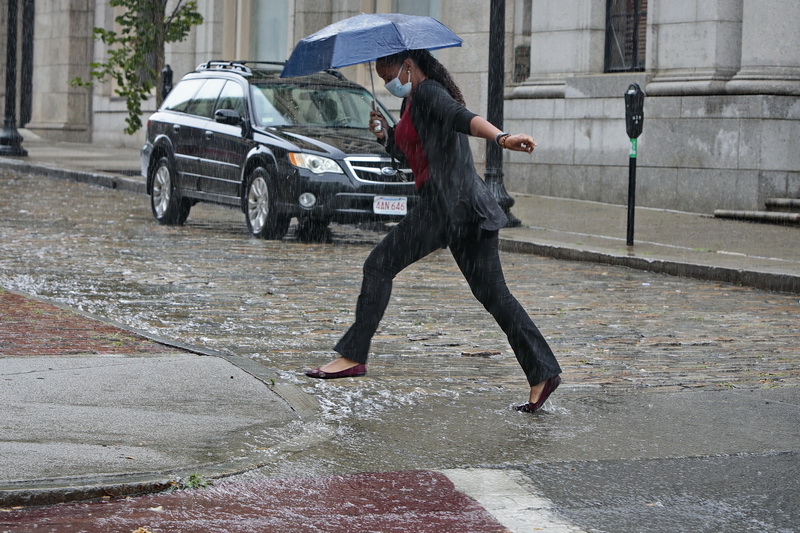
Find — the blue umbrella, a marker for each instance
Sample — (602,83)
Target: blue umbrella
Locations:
(366,37)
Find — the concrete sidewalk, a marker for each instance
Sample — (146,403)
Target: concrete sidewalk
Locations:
(693,245)
(92,409)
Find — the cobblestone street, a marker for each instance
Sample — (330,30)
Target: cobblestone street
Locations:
(284,304)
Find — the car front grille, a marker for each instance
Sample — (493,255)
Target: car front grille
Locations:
(378,170)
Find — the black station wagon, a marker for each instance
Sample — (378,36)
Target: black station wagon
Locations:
(235,133)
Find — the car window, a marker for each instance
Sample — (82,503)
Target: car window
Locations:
(206,98)
(274,105)
(232,97)
(179,97)
(266,114)
(286,104)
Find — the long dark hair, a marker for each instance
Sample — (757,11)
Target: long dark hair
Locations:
(430,66)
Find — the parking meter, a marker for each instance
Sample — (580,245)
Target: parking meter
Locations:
(634,110)
(634,119)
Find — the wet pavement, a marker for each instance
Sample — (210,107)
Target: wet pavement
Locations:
(663,376)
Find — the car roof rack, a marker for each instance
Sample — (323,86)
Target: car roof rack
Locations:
(238,66)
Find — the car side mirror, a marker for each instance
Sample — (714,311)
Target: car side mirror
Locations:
(228,116)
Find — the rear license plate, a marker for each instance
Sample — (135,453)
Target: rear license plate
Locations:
(389,205)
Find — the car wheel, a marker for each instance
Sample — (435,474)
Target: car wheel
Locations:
(165,201)
(263,220)
(314,231)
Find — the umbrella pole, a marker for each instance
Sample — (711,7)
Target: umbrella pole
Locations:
(372,82)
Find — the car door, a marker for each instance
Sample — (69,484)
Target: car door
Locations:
(181,129)
(194,142)
(226,146)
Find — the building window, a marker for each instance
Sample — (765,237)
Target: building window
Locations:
(269,30)
(522,40)
(626,35)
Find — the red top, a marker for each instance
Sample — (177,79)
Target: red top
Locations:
(406,138)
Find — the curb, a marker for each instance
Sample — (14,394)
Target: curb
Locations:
(301,403)
(111,181)
(750,278)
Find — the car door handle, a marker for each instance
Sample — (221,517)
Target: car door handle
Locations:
(176,128)
(209,135)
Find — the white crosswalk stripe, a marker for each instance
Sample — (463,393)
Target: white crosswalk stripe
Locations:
(510,497)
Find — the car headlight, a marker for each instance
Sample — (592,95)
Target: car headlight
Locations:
(315,163)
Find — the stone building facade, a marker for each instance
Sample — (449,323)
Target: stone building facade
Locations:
(722,115)
(722,79)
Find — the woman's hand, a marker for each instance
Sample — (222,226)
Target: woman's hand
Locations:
(378,124)
(518,143)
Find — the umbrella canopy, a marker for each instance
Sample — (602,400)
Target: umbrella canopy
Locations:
(366,37)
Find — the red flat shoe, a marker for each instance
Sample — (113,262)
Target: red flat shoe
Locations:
(352,372)
(549,386)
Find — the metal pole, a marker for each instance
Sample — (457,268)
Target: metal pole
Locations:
(494,113)
(26,68)
(631,190)
(10,139)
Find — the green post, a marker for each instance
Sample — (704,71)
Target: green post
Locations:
(631,190)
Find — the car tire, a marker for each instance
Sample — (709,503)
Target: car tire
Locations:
(314,231)
(165,200)
(263,219)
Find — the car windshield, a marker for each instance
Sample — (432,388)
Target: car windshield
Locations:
(296,105)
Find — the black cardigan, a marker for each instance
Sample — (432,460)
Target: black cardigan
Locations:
(443,126)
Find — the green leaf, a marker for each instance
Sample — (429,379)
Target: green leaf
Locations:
(142,24)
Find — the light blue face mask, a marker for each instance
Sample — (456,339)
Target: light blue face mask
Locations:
(400,90)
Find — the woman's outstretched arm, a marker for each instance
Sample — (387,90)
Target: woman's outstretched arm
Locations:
(480,127)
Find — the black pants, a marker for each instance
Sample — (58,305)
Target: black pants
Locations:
(420,233)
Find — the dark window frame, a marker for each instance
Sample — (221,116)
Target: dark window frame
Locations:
(626,35)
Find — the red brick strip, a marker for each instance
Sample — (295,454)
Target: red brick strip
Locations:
(418,501)
(31,327)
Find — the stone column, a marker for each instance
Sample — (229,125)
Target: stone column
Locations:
(62,51)
(693,46)
(770,49)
